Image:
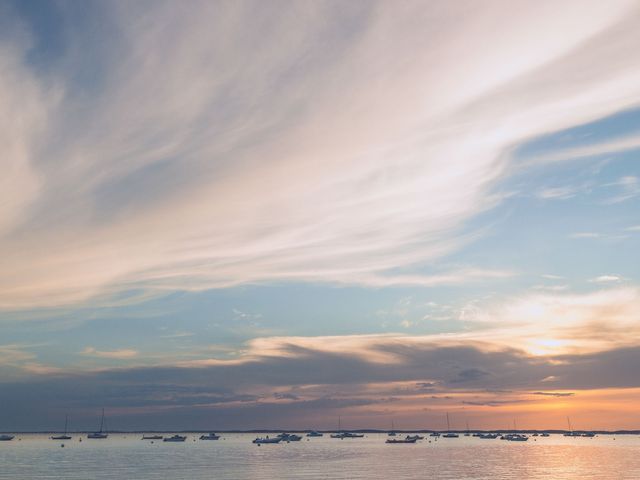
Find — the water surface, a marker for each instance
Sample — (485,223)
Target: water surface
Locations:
(235,457)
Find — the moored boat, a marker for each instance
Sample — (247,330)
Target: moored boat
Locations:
(175,438)
(64,436)
(6,438)
(152,437)
(313,433)
(261,440)
(402,440)
(210,436)
(101,434)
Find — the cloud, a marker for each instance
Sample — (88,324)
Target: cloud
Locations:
(618,145)
(606,279)
(555,394)
(560,193)
(586,235)
(293,143)
(115,354)
(628,186)
(305,383)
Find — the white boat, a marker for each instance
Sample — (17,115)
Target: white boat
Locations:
(342,435)
(449,433)
(402,440)
(210,436)
(392,433)
(64,436)
(514,437)
(261,440)
(175,438)
(6,438)
(101,434)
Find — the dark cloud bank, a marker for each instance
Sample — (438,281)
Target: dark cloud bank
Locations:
(262,392)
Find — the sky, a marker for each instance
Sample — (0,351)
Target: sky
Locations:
(243,215)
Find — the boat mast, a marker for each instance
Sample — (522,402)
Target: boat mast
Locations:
(66,421)
(102,421)
(448,427)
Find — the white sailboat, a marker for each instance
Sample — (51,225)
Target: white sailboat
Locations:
(64,436)
(101,434)
(449,433)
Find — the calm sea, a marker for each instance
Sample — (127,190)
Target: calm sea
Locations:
(235,457)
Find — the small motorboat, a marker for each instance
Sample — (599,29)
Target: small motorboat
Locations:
(343,435)
(417,437)
(6,438)
(313,433)
(402,440)
(261,440)
(175,438)
(152,437)
(435,434)
(488,436)
(289,437)
(450,435)
(210,436)
(514,437)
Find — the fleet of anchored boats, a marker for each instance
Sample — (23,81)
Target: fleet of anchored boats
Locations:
(292,437)
(393,437)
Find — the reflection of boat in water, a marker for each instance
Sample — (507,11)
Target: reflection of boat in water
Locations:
(313,433)
(402,440)
(64,436)
(261,440)
(175,438)
(101,434)
(210,436)
(6,438)
(152,437)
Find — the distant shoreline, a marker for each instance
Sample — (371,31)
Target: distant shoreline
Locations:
(371,431)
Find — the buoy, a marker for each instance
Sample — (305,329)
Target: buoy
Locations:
(62,445)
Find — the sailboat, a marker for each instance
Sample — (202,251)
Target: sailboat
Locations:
(64,436)
(101,433)
(467,434)
(570,433)
(342,435)
(392,433)
(449,433)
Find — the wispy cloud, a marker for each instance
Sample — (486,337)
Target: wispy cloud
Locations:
(121,354)
(606,279)
(284,162)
